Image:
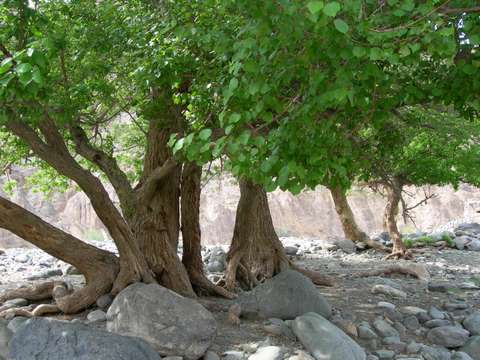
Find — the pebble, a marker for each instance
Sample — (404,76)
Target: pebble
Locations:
(96,316)
(389,291)
(448,336)
(385,354)
(384,329)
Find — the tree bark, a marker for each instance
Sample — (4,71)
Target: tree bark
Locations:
(256,252)
(156,222)
(394,193)
(191,233)
(99,267)
(345,213)
(54,151)
(347,219)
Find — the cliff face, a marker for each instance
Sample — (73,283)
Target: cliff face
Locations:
(308,215)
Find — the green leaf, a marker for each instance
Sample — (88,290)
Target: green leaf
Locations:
(315,6)
(341,26)
(23,68)
(404,51)
(205,134)
(234,118)
(5,65)
(37,77)
(178,145)
(331,9)
(359,51)
(233,84)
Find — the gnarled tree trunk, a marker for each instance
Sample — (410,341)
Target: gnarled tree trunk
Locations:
(99,267)
(256,252)
(394,193)
(192,249)
(155,221)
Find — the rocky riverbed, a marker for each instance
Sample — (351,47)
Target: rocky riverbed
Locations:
(435,315)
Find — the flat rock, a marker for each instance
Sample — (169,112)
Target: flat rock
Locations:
(472,323)
(285,296)
(472,347)
(324,340)
(170,323)
(460,355)
(45,339)
(448,336)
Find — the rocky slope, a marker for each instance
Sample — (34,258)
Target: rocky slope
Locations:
(308,215)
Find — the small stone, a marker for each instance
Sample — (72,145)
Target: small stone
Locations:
(439,286)
(472,323)
(385,305)
(267,353)
(385,354)
(22,258)
(366,333)
(72,270)
(17,302)
(435,353)
(411,322)
(472,347)
(412,310)
(389,291)
(455,306)
(436,314)
(291,250)
(437,323)
(301,355)
(97,316)
(211,355)
(233,355)
(104,301)
(59,291)
(172,358)
(448,336)
(384,329)
(413,347)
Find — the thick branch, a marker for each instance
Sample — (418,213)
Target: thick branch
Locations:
(148,188)
(106,163)
(473,9)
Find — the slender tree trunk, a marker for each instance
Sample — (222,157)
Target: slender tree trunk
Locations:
(99,267)
(192,249)
(256,252)
(349,225)
(394,193)
(347,219)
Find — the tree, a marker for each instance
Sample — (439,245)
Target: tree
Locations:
(418,146)
(68,69)
(294,84)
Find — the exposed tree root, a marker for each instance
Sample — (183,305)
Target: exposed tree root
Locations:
(399,254)
(27,311)
(416,270)
(315,276)
(36,292)
(375,245)
(202,284)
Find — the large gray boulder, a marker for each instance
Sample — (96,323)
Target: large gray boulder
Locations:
(45,339)
(472,347)
(5,336)
(324,340)
(285,296)
(170,323)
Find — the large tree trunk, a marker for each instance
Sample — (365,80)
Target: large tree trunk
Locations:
(192,249)
(349,225)
(256,252)
(155,222)
(394,193)
(99,267)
